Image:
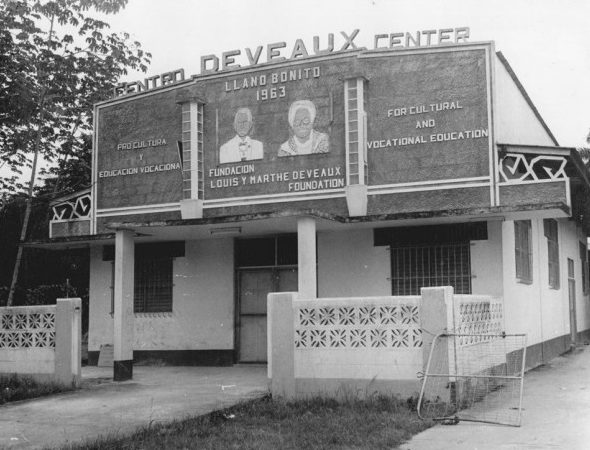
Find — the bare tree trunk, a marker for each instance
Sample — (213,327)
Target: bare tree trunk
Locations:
(23,234)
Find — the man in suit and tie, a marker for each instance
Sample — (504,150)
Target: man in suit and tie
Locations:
(241,147)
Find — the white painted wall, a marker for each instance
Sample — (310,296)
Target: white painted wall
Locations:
(536,309)
(486,262)
(571,250)
(27,361)
(514,120)
(203,302)
(350,265)
(30,330)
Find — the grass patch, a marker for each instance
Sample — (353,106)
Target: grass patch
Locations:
(374,423)
(17,387)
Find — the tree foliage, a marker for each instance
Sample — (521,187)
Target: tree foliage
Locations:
(59,57)
(44,271)
(585,151)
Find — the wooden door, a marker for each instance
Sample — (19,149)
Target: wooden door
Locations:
(254,287)
(287,280)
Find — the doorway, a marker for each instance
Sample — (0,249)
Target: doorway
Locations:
(263,265)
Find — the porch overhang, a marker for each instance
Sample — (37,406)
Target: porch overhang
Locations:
(277,222)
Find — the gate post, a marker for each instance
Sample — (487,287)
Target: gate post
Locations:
(281,344)
(436,315)
(68,336)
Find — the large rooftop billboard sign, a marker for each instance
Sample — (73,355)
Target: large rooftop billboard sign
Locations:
(301,129)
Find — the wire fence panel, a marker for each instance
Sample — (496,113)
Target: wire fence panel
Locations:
(476,378)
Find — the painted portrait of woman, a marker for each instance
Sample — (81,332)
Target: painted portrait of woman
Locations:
(303,139)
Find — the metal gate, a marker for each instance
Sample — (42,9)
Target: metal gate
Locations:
(474,377)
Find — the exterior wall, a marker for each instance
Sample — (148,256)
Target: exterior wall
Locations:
(42,342)
(77,227)
(35,353)
(349,347)
(535,308)
(572,250)
(486,262)
(203,303)
(514,120)
(350,265)
(527,304)
(355,346)
(535,193)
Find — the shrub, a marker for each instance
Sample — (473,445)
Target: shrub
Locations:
(18,387)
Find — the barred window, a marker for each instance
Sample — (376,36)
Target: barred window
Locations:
(523,250)
(584,258)
(153,284)
(414,267)
(550,227)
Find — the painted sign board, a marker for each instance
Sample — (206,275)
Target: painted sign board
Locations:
(279,130)
(136,158)
(428,117)
(275,131)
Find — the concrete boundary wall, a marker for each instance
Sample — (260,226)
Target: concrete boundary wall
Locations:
(356,346)
(42,341)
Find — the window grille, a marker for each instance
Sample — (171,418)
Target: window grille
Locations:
(153,285)
(523,250)
(551,233)
(267,252)
(414,267)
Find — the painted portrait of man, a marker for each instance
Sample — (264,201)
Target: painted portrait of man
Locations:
(241,147)
(303,139)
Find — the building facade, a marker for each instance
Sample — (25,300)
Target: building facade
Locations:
(353,173)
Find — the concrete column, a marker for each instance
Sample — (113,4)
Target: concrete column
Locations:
(307,267)
(68,337)
(281,343)
(123,311)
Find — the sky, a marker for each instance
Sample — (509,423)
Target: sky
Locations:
(545,41)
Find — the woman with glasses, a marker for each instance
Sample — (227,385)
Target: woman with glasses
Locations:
(304,140)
